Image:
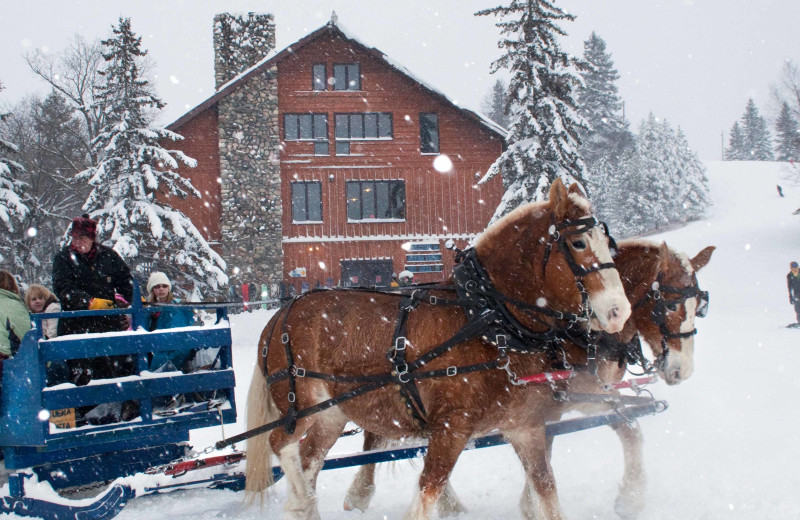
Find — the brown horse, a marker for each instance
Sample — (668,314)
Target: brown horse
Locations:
(662,286)
(547,263)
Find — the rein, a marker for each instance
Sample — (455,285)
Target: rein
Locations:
(488,318)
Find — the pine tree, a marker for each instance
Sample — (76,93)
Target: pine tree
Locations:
(693,192)
(494,104)
(12,208)
(135,177)
(757,141)
(50,138)
(600,105)
(735,150)
(787,146)
(542,117)
(648,187)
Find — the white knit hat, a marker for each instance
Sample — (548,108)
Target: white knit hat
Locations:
(157,278)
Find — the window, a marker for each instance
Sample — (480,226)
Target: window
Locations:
(429,133)
(378,200)
(307,127)
(307,201)
(319,80)
(424,257)
(364,126)
(347,76)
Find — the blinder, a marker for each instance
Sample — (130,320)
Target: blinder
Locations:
(577,227)
(659,313)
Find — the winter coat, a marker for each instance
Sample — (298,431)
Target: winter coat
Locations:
(78,278)
(169,319)
(15,321)
(794,286)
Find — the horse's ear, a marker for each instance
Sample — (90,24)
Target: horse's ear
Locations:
(702,258)
(559,200)
(663,257)
(576,188)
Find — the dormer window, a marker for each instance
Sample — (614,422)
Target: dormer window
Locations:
(319,79)
(347,76)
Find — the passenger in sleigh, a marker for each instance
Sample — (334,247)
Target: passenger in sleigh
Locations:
(88,275)
(14,318)
(159,290)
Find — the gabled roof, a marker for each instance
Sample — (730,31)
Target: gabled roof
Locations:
(330,28)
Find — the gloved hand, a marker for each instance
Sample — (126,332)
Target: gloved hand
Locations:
(99,304)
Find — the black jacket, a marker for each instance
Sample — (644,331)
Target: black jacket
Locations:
(794,286)
(78,278)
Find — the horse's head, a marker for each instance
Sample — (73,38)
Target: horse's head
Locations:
(555,255)
(667,299)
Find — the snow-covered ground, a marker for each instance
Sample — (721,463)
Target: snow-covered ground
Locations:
(728,447)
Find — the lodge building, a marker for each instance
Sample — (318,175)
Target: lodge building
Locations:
(327,163)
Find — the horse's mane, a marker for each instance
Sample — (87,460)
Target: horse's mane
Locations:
(529,210)
(640,242)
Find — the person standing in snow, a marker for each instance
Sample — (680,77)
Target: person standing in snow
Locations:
(793,282)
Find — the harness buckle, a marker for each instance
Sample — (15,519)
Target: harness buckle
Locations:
(451,371)
(285,338)
(433,300)
(291,397)
(298,372)
(400,343)
(500,339)
(264,351)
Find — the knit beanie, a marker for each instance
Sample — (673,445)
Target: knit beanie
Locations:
(84,225)
(157,278)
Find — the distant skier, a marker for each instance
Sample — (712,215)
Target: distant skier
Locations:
(793,282)
(780,190)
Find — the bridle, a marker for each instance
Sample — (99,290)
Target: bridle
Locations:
(474,284)
(559,233)
(659,313)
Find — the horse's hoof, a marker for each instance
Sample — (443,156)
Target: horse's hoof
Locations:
(359,499)
(628,507)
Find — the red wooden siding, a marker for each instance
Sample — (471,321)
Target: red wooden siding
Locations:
(437,204)
(201,142)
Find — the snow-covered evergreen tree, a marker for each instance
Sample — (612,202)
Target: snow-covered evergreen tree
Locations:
(757,141)
(543,121)
(648,187)
(12,208)
(600,105)
(135,177)
(495,102)
(787,132)
(693,193)
(735,150)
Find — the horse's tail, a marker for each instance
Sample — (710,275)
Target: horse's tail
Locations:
(261,410)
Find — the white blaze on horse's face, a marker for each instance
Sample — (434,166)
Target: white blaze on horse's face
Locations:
(680,362)
(610,307)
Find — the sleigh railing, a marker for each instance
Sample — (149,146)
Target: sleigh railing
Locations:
(74,456)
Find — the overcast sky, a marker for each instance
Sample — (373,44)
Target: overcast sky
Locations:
(693,62)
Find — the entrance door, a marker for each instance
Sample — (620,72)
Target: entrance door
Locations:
(366,273)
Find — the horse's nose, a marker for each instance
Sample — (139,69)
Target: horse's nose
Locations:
(616,319)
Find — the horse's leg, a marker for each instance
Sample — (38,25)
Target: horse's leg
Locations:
(318,441)
(444,447)
(362,488)
(301,502)
(540,498)
(449,504)
(630,500)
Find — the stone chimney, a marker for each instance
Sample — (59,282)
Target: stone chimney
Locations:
(240,41)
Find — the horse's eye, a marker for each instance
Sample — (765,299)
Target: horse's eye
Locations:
(579,245)
(672,306)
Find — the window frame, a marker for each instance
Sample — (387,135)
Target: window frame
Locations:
(314,68)
(395,209)
(343,142)
(424,128)
(306,201)
(348,67)
(321,142)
